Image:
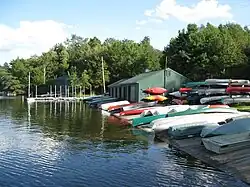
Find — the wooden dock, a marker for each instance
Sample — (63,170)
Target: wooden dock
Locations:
(53,99)
(236,163)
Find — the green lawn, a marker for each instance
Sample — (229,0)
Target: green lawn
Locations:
(242,108)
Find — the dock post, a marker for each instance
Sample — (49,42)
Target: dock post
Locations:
(36,91)
(68,92)
(65,90)
(90,90)
(60,90)
(84,91)
(29,86)
(75,91)
(50,90)
(55,91)
(72,91)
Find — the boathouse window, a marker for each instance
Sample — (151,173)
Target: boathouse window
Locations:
(120,92)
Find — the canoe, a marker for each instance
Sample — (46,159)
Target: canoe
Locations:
(140,105)
(206,109)
(188,130)
(110,108)
(236,100)
(181,110)
(194,84)
(135,111)
(103,101)
(227,143)
(238,89)
(186,114)
(90,98)
(237,125)
(212,99)
(107,105)
(147,119)
(155,91)
(95,100)
(160,125)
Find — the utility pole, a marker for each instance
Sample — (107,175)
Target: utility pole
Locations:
(103,77)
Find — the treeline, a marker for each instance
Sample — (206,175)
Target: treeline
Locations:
(196,52)
(210,52)
(81,59)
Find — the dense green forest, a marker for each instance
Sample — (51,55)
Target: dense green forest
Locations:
(196,52)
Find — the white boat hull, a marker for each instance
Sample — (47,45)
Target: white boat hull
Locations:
(194,118)
(107,105)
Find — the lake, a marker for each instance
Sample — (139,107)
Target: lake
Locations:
(69,144)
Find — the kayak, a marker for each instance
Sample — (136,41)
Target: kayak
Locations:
(155,91)
(155,98)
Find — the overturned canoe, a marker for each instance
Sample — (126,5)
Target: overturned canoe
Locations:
(107,105)
(161,113)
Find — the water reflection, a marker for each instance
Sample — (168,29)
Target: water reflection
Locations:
(70,144)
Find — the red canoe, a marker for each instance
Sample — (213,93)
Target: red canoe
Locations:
(133,112)
(183,90)
(155,90)
(237,89)
(118,106)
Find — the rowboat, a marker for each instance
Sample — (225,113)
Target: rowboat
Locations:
(227,143)
(235,125)
(195,118)
(182,127)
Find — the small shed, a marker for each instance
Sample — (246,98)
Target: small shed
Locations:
(131,89)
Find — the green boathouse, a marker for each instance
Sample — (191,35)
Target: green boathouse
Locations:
(131,89)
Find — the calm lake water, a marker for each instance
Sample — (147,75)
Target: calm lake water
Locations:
(69,144)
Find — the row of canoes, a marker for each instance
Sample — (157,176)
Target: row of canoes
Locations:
(213,123)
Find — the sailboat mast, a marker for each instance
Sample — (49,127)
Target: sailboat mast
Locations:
(103,77)
(29,86)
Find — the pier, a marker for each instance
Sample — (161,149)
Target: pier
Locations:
(235,163)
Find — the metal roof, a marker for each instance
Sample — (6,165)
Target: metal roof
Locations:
(116,83)
(139,77)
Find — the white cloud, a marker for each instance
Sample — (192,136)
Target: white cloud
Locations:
(204,9)
(30,38)
(150,20)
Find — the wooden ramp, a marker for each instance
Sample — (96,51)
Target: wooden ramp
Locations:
(236,163)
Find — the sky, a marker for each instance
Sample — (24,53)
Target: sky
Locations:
(29,27)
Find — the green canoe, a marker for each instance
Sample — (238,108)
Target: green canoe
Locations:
(202,109)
